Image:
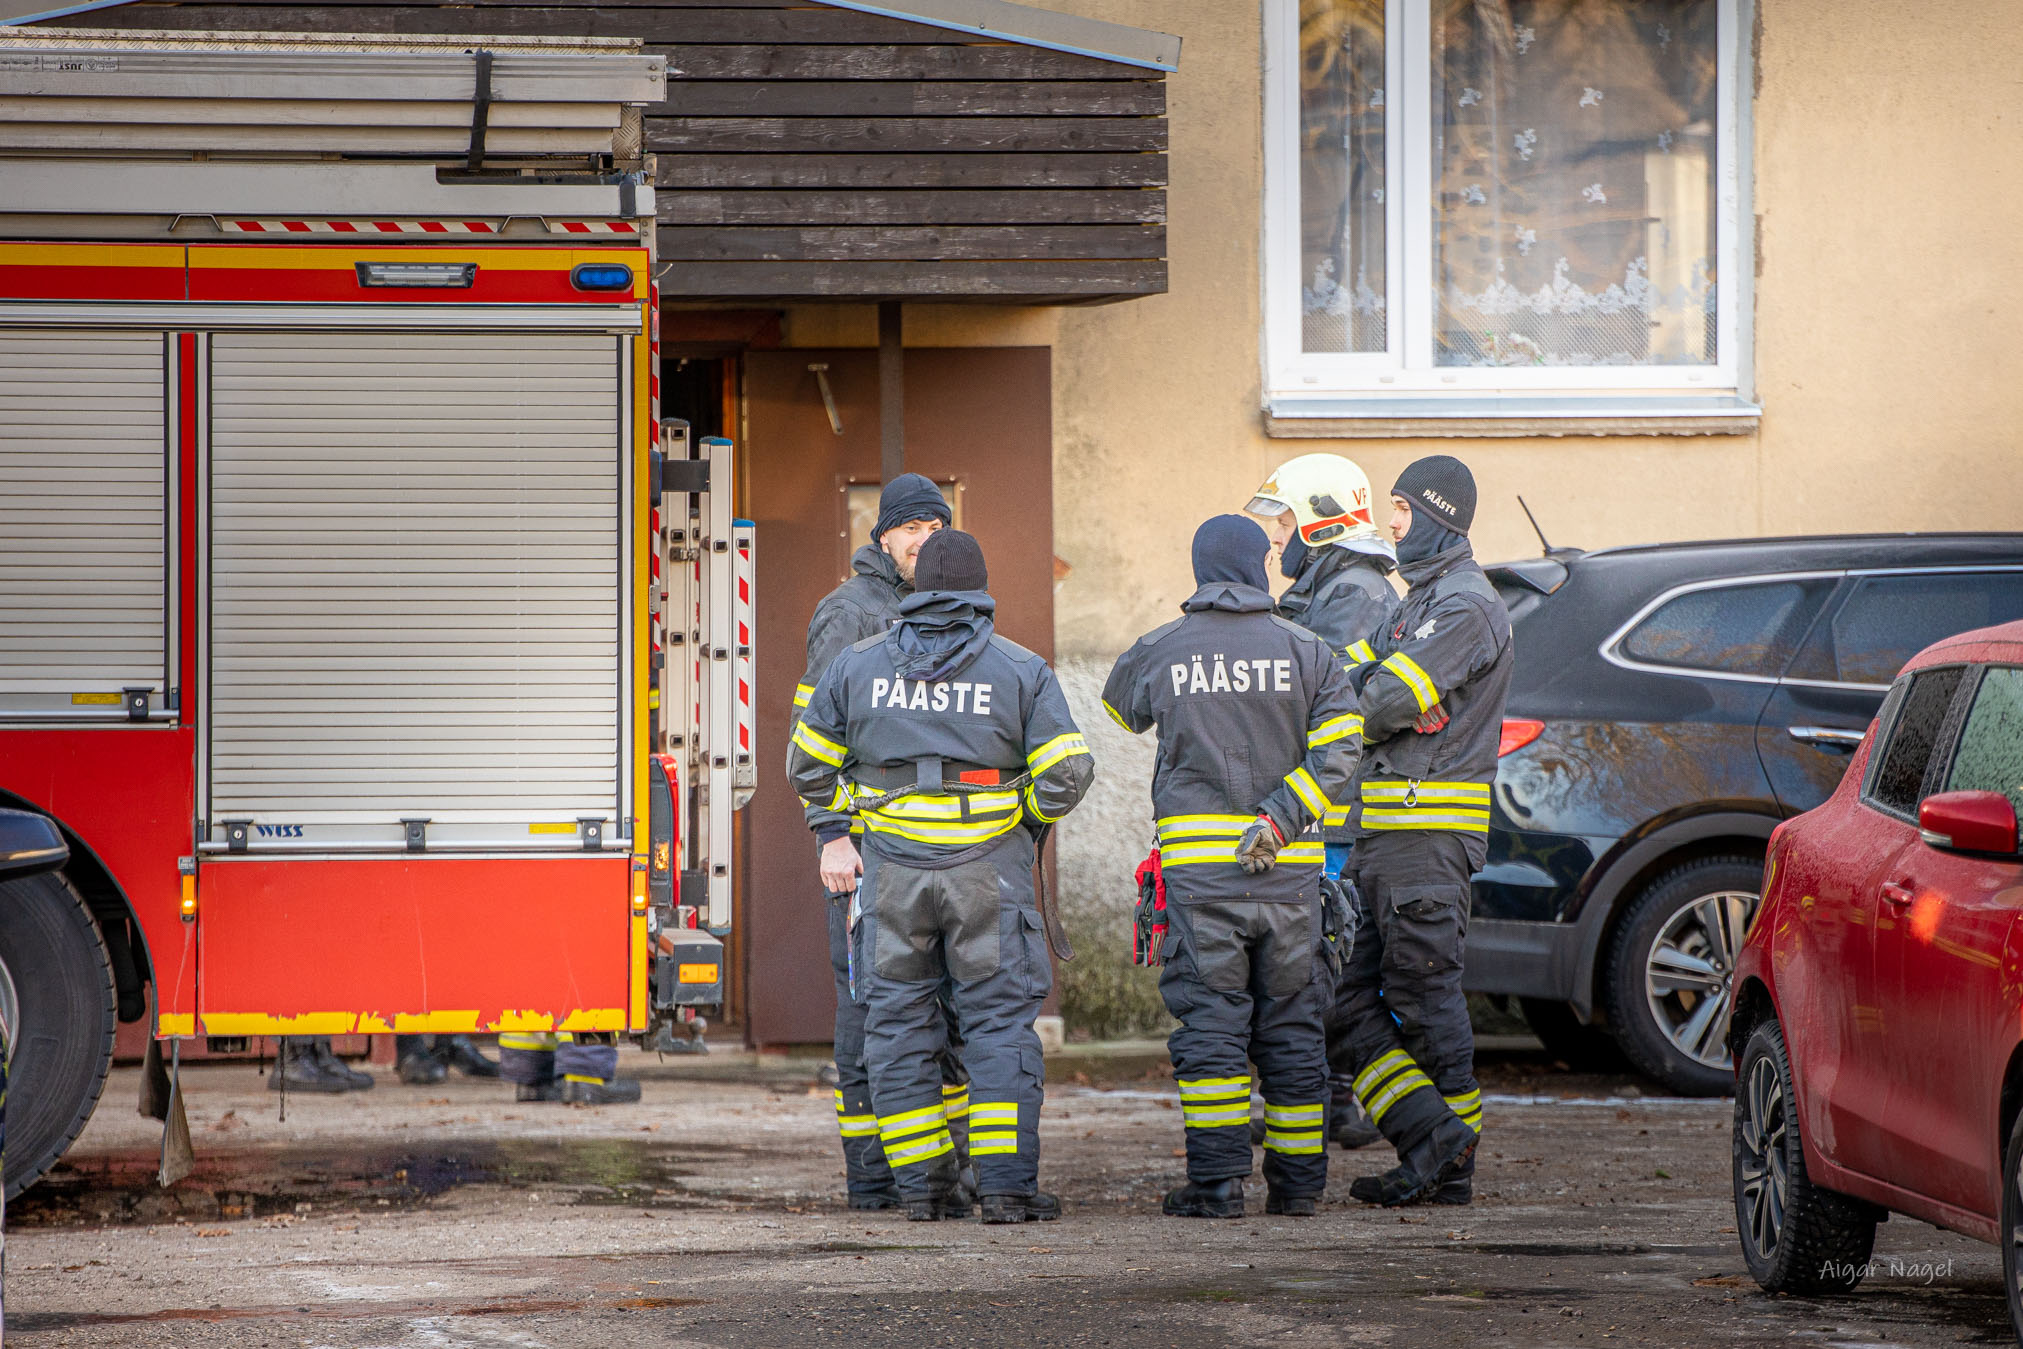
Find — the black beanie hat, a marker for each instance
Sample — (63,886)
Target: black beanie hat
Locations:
(949,560)
(1230,549)
(1440,487)
(907,498)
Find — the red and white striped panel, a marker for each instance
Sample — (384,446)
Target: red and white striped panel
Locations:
(590,226)
(360,226)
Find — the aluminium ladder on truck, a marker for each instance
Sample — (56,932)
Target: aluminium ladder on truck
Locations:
(327,415)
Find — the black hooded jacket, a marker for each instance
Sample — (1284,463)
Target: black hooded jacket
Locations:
(939,700)
(863,606)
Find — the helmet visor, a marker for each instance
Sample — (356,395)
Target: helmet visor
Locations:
(1269,507)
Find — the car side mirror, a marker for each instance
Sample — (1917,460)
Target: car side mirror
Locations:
(29,843)
(1983,822)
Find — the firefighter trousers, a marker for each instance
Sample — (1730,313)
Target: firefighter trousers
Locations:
(975,929)
(1247,983)
(1399,1026)
(540,1058)
(866,1174)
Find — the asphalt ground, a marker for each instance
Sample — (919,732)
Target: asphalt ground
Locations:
(711,1215)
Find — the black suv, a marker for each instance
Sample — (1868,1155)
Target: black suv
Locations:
(1670,705)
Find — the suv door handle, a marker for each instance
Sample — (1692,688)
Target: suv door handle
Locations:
(1896,894)
(1826,737)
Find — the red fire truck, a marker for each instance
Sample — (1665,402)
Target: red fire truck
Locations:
(334,587)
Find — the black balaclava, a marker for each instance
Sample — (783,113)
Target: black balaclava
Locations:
(1230,549)
(907,498)
(946,623)
(1441,491)
(1292,559)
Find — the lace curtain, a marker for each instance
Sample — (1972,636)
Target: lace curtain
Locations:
(1573,217)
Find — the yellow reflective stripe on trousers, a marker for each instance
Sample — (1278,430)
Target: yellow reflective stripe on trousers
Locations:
(1334,729)
(915,1135)
(955,1102)
(803,692)
(920,1149)
(819,746)
(1415,678)
(1382,1067)
(1055,750)
(1389,1080)
(1309,791)
(534,1042)
(1214,1102)
(1468,1106)
(911,1121)
(993,1128)
(1295,1129)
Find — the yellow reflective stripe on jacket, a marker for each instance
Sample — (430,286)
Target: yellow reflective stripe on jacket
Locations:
(1215,851)
(1335,728)
(1298,854)
(1461,807)
(1358,653)
(1336,816)
(1055,750)
(1416,678)
(954,834)
(803,692)
(1179,827)
(1117,716)
(932,806)
(818,745)
(1308,790)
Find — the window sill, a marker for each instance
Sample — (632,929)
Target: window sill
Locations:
(1348,417)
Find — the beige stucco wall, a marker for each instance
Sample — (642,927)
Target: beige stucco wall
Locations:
(1888,187)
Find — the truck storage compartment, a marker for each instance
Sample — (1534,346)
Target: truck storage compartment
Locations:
(84,570)
(417,586)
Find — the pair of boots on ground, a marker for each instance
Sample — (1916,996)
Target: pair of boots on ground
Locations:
(307,1063)
(951,1193)
(1438,1169)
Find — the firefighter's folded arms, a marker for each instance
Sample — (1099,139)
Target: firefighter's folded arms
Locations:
(951,786)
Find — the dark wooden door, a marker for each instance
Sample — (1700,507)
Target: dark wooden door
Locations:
(979,418)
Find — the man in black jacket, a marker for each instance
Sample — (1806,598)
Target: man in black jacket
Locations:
(910,509)
(1257,734)
(1433,689)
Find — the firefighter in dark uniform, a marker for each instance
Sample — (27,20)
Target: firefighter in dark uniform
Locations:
(1324,524)
(1257,733)
(953,746)
(575,1067)
(910,508)
(1432,700)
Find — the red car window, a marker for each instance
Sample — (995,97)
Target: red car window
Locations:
(1897,782)
(1990,757)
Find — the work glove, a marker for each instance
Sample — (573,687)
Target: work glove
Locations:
(1432,719)
(1257,850)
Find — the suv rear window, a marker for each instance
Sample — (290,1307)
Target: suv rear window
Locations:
(1990,757)
(1897,781)
(1885,620)
(1738,629)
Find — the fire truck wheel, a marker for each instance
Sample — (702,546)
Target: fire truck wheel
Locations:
(54,961)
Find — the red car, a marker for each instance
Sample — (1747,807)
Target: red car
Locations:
(1878,1027)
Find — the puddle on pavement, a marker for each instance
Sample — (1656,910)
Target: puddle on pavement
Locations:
(279,1184)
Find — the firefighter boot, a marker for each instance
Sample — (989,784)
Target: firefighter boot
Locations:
(578,1090)
(299,1067)
(1289,1205)
(457,1051)
(1039,1207)
(338,1067)
(416,1062)
(1459,1188)
(1209,1199)
(1427,1165)
(945,1197)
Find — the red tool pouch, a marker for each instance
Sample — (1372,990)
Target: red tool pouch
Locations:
(1148,931)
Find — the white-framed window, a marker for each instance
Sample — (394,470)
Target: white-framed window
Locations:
(1506,209)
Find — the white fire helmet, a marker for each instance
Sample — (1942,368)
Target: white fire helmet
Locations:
(1328,496)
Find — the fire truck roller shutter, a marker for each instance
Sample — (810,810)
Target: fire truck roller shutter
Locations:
(415,591)
(83,522)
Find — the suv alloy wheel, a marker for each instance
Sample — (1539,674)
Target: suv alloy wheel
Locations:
(1669,975)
